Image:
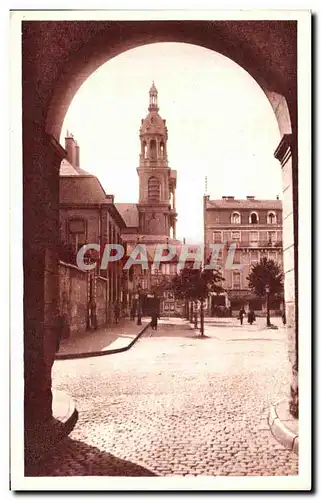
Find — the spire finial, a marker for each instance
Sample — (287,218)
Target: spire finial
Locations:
(153,98)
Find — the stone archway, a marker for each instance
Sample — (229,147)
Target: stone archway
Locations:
(57,57)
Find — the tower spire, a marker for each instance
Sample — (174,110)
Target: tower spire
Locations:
(153,104)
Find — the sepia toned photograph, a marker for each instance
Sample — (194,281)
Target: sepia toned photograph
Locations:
(162,193)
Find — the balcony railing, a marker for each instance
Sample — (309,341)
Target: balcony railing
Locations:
(256,244)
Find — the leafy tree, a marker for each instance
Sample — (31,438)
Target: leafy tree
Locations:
(197,284)
(266,279)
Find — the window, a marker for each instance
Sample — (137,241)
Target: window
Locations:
(271,218)
(165,268)
(217,237)
(173,268)
(254,218)
(236,236)
(254,236)
(272,236)
(273,256)
(236,280)
(237,257)
(153,189)
(77,233)
(236,218)
(144,284)
(254,256)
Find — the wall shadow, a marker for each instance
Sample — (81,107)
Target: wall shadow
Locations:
(76,458)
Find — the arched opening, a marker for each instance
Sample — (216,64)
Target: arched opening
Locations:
(236,218)
(49,87)
(162,150)
(145,149)
(254,218)
(153,149)
(271,218)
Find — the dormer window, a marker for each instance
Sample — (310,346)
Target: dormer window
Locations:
(254,218)
(271,219)
(236,218)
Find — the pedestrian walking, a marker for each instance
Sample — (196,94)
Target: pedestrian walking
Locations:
(241,315)
(155,316)
(116,312)
(251,316)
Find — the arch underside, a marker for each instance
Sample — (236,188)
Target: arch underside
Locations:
(225,37)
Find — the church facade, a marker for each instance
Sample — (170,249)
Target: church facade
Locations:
(152,221)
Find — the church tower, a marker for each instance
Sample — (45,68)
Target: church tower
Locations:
(157,182)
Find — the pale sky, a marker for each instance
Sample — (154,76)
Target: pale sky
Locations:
(220,125)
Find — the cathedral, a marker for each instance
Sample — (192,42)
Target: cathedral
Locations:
(152,220)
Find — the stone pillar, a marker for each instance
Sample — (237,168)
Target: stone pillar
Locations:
(42,156)
(287,155)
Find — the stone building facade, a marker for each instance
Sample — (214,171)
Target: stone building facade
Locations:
(255,227)
(88,215)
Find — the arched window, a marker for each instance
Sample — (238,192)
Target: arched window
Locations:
(236,218)
(162,150)
(145,149)
(254,218)
(153,189)
(152,148)
(271,218)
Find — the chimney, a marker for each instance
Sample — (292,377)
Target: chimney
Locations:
(277,197)
(77,155)
(184,241)
(227,197)
(250,197)
(70,147)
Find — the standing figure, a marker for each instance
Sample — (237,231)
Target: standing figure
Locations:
(155,316)
(251,316)
(241,315)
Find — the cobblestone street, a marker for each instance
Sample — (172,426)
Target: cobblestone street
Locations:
(175,404)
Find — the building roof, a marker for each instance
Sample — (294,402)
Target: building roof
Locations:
(241,204)
(81,189)
(153,123)
(129,213)
(67,169)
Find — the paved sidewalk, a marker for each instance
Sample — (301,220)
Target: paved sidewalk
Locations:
(104,339)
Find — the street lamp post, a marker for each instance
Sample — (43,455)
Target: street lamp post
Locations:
(139,312)
(268,290)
